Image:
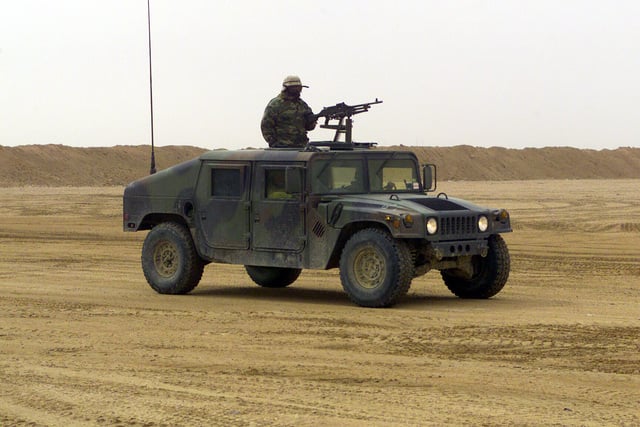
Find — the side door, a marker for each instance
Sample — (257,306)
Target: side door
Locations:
(223,204)
(278,218)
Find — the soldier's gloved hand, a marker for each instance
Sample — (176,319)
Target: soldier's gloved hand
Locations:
(311,125)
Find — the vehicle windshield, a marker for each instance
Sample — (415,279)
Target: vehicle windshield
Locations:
(376,175)
(393,175)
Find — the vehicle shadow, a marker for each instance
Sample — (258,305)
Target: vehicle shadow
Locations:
(319,296)
(440,301)
(288,294)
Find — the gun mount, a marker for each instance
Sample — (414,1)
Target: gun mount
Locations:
(343,112)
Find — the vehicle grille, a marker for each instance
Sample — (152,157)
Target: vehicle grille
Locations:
(458,226)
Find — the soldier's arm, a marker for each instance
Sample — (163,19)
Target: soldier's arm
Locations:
(268,125)
(310,119)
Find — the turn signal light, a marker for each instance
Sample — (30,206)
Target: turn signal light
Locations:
(408,220)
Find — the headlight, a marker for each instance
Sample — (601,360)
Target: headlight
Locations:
(432,225)
(483,223)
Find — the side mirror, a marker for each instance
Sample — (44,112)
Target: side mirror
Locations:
(429,177)
(293,180)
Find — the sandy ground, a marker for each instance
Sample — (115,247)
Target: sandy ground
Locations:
(85,341)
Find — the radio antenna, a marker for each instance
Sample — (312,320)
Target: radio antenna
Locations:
(152,169)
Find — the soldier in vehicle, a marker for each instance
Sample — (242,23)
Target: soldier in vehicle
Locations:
(390,186)
(287,118)
(275,182)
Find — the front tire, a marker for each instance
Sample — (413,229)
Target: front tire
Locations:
(490,273)
(272,277)
(170,262)
(375,269)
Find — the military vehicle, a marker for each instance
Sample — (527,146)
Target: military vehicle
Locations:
(364,210)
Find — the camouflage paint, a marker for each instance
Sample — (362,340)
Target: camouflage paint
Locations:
(241,225)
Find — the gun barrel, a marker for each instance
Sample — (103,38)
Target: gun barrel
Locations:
(341,110)
(342,113)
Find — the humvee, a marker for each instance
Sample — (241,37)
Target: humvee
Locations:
(364,210)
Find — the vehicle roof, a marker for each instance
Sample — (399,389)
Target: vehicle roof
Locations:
(258,154)
(286,154)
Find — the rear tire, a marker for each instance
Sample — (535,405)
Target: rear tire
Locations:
(375,269)
(490,273)
(170,261)
(272,277)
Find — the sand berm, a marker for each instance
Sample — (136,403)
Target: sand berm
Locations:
(60,166)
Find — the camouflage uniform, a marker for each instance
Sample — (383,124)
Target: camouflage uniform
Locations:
(286,121)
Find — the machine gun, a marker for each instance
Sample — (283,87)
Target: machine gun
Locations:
(343,112)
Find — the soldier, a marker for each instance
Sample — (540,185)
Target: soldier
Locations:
(276,185)
(287,118)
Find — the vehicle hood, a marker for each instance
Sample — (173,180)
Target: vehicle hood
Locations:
(412,202)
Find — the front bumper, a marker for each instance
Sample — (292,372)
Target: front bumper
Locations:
(457,248)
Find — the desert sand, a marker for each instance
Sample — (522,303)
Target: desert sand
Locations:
(85,341)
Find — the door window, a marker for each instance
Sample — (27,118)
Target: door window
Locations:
(226,183)
(274,184)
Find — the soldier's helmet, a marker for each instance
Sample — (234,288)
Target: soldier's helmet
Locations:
(292,81)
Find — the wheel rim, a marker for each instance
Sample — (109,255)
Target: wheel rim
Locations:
(165,259)
(369,268)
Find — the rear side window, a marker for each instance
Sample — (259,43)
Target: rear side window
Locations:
(226,183)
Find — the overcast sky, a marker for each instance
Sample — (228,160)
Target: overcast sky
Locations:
(502,73)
